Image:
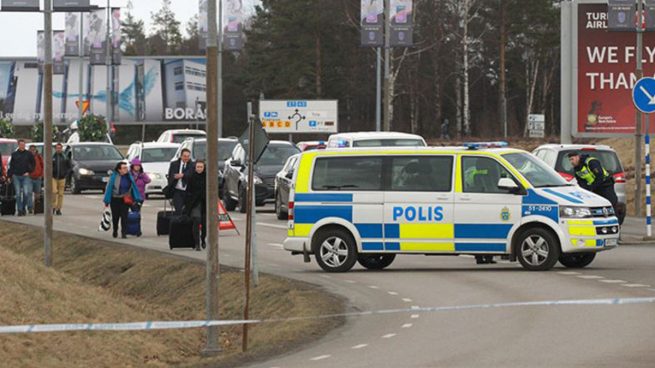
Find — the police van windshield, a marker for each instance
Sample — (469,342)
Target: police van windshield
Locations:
(535,170)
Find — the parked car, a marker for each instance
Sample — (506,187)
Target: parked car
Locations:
(311,145)
(92,165)
(198,148)
(236,174)
(283,182)
(555,155)
(180,135)
(7,147)
(375,139)
(155,158)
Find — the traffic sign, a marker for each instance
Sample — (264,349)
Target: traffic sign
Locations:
(643,95)
(537,125)
(299,116)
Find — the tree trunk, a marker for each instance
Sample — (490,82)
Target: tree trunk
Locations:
(319,68)
(458,99)
(465,70)
(531,83)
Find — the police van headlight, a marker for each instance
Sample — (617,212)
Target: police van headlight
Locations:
(574,212)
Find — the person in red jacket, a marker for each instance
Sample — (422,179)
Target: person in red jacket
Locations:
(36,175)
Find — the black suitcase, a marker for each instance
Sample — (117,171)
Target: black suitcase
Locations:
(7,200)
(38,204)
(181,232)
(164,220)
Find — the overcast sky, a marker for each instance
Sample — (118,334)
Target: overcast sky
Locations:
(18,30)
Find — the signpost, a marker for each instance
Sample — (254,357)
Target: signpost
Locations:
(643,96)
(537,125)
(299,116)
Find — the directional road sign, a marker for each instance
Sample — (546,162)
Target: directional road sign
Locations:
(643,95)
(299,116)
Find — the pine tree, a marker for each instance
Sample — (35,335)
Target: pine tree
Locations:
(134,37)
(166,31)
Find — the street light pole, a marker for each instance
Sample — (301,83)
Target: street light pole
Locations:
(80,98)
(220,68)
(213,112)
(639,128)
(47,133)
(387,66)
(108,64)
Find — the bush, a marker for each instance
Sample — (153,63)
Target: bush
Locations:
(37,132)
(92,128)
(6,129)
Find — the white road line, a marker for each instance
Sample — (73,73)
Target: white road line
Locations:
(407,300)
(283,227)
(374,287)
(613,281)
(636,285)
(392,293)
(407,325)
(360,346)
(320,357)
(388,336)
(414,316)
(350,281)
(590,277)
(275,245)
(415,307)
(569,273)
(466,256)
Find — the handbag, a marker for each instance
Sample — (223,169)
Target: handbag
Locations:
(128,200)
(105,222)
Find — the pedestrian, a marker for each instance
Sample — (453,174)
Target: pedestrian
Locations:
(196,203)
(177,171)
(61,169)
(22,164)
(37,174)
(120,194)
(140,177)
(592,176)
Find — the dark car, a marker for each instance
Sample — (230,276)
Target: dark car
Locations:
(283,181)
(198,148)
(236,174)
(92,165)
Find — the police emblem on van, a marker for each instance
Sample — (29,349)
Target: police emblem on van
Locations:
(504,214)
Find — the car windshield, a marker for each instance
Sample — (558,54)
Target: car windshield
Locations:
(163,154)
(535,170)
(389,143)
(181,137)
(7,148)
(96,153)
(277,154)
(225,149)
(608,159)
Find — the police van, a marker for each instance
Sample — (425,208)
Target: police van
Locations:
(368,205)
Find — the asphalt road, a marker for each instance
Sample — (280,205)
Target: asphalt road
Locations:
(553,335)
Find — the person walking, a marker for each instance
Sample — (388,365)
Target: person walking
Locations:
(592,176)
(140,177)
(195,205)
(22,164)
(177,185)
(36,175)
(61,168)
(120,194)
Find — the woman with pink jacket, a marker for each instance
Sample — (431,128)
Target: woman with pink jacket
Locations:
(140,177)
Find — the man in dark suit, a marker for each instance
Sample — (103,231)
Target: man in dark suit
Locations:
(176,179)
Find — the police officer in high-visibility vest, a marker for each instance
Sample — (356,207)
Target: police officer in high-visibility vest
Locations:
(592,176)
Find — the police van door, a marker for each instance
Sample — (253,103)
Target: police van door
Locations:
(484,214)
(418,204)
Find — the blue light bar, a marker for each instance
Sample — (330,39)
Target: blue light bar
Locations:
(479,145)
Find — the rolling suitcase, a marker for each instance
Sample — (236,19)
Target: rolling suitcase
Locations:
(181,232)
(7,200)
(164,221)
(134,223)
(38,204)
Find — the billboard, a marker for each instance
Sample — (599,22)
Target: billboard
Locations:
(149,90)
(203,23)
(372,23)
(71,5)
(72,32)
(233,29)
(402,23)
(116,52)
(20,5)
(601,91)
(97,36)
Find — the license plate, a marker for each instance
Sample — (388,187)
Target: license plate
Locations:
(611,242)
(105,179)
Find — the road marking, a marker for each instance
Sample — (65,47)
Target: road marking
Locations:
(407,325)
(350,281)
(466,256)
(414,316)
(374,287)
(360,346)
(636,285)
(392,293)
(276,245)
(613,281)
(568,273)
(283,227)
(320,357)
(590,277)
(407,300)
(415,307)
(388,336)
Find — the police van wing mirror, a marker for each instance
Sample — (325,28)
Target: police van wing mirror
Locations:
(508,185)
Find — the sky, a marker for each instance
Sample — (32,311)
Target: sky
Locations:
(18,30)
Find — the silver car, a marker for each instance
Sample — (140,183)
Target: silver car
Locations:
(555,155)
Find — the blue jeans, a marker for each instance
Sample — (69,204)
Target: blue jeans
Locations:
(36,185)
(23,187)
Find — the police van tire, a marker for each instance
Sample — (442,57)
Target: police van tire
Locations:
(376,261)
(577,260)
(537,249)
(230,204)
(335,250)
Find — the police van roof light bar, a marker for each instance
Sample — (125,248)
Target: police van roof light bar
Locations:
(479,145)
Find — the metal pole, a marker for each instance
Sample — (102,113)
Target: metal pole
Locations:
(47,134)
(80,98)
(212,292)
(566,77)
(639,129)
(249,228)
(108,65)
(378,90)
(387,66)
(253,258)
(220,67)
(649,225)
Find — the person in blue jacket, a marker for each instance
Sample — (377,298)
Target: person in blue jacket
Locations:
(120,185)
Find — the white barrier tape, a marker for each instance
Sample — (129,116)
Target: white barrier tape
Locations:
(168,325)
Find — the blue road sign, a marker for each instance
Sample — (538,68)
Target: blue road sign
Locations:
(643,95)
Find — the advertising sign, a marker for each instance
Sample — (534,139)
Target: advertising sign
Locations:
(649,8)
(20,5)
(86,42)
(72,32)
(402,23)
(58,50)
(116,36)
(372,23)
(40,49)
(299,116)
(71,5)
(606,63)
(203,24)
(97,36)
(621,15)
(233,29)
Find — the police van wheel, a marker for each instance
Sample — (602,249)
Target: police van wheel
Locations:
(335,251)
(577,260)
(538,250)
(376,261)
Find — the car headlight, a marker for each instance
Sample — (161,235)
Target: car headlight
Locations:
(155,176)
(574,212)
(86,172)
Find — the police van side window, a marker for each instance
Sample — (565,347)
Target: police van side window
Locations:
(348,173)
(481,175)
(422,174)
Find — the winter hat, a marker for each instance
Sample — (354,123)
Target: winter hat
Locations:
(136,162)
